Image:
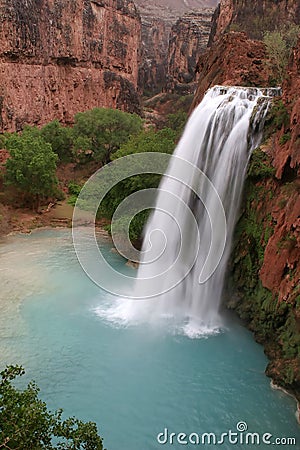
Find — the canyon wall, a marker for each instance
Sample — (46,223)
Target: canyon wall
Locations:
(60,57)
(232,60)
(254,17)
(162,64)
(188,39)
(264,279)
(155,41)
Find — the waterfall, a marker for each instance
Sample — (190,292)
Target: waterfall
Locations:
(218,140)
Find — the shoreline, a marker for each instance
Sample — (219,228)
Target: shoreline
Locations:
(276,387)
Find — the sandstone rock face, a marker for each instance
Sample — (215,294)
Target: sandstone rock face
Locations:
(278,265)
(59,57)
(232,60)
(171,10)
(188,39)
(254,17)
(155,41)
(158,17)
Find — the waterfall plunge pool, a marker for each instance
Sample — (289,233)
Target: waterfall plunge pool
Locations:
(134,382)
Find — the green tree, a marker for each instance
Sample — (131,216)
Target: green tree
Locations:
(103,131)
(177,121)
(279,44)
(162,141)
(31,167)
(60,138)
(26,423)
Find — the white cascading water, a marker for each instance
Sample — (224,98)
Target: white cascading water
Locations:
(218,139)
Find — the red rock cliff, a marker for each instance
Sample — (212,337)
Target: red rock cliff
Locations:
(254,17)
(188,39)
(282,252)
(61,57)
(231,60)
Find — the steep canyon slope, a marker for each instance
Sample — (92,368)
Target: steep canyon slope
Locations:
(58,58)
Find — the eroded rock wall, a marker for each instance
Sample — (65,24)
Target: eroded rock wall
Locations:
(188,40)
(61,57)
(231,60)
(254,17)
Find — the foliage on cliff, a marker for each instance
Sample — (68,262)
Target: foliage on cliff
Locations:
(279,44)
(274,320)
(26,423)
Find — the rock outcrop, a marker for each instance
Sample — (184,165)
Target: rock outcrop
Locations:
(265,267)
(58,58)
(254,17)
(188,39)
(158,17)
(232,60)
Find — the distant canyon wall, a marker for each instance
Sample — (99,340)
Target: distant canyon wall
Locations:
(188,40)
(58,58)
(174,33)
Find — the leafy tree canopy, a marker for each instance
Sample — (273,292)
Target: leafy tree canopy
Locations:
(26,423)
(104,130)
(162,141)
(279,44)
(31,166)
(60,138)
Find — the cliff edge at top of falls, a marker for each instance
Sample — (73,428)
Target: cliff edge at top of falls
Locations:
(58,58)
(233,59)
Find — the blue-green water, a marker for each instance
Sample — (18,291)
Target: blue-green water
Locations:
(136,381)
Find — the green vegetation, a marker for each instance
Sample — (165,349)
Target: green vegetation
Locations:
(60,138)
(277,118)
(162,141)
(31,166)
(74,190)
(26,423)
(285,138)
(102,131)
(177,121)
(279,44)
(34,153)
(259,166)
(274,323)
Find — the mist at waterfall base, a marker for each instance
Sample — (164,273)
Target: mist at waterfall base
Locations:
(132,381)
(188,231)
